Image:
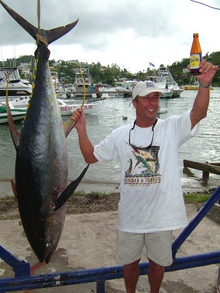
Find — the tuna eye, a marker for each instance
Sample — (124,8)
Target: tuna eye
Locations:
(48,244)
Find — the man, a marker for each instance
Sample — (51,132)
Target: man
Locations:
(151,201)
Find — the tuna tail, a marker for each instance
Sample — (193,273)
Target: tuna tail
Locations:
(49,35)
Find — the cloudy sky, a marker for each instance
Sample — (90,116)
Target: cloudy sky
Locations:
(128,33)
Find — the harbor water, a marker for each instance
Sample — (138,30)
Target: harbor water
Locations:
(204,147)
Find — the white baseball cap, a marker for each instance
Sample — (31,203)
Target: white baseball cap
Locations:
(144,88)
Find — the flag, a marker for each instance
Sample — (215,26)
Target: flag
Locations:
(151,64)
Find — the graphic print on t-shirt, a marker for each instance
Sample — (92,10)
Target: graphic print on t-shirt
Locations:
(143,168)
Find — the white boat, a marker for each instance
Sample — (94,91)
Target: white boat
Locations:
(67,107)
(124,88)
(83,83)
(16,88)
(18,103)
(166,82)
(171,84)
(168,92)
(161,83)
(107,92)
(126,85)
(17,114)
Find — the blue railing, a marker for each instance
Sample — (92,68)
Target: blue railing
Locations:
(24,281)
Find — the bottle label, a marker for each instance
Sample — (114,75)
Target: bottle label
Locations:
(195,60)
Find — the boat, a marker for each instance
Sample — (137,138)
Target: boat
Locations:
(168,93)
(17,114)
(171,84)
(67,107)
(55,81)
(83,84)
(125,87)
(165,81)
(162,85)
(18,103)
(16,88)
(194,85)
(191,87)
(105,91)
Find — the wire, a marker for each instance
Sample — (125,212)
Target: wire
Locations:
(205,4)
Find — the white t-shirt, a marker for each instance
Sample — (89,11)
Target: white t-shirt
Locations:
(151,196)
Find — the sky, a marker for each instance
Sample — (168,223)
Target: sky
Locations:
(128,33)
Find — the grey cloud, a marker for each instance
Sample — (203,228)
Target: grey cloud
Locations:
(98,20)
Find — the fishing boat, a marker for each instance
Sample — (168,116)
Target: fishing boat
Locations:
(194,85)
(10,77)
(168,93)
(67,107)
(161,83)
(166,82)
(83,84)
(171,84)
(17,114)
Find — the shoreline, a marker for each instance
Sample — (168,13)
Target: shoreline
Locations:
(188,185)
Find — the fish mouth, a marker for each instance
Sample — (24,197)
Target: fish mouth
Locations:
(49,255)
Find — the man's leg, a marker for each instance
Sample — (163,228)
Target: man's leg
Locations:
(159,254)
(129,251)
(155,276)
(131,275)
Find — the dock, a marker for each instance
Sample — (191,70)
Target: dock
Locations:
(98,94)
(206,168)
(126,93)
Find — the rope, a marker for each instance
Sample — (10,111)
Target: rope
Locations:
(38,16)
(40,38)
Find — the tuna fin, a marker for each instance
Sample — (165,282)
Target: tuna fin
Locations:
(65,195)
(14,133)
(12,128)
(14,188)
(49,35)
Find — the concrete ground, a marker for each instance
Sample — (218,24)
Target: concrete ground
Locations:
(88,241)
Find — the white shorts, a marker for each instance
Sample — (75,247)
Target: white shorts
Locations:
(158,245)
